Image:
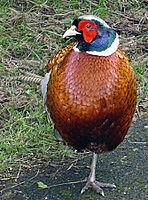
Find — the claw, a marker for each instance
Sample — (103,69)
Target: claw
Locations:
(98,189)
(102,193)
(97,186)
(86,187)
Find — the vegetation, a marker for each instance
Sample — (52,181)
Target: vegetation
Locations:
(30,32)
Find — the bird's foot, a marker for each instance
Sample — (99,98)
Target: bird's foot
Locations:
(97,186)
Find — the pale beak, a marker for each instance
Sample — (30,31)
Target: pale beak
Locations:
(71,32)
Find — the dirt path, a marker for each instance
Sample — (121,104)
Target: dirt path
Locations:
(126,167)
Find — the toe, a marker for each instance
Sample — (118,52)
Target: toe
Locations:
(98,189)
(86,187)
(97,186)
(105,185)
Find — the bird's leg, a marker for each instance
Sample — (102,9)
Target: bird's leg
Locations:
(92,183)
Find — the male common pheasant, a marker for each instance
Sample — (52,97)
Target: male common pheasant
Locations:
(90,91)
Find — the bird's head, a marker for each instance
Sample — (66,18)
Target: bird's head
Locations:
(94,36)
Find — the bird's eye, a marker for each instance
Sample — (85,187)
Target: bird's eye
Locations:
(88,25)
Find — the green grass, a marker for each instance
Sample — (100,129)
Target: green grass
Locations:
(30,32)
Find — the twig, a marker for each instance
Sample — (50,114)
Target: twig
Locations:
(18,174)
(63,14)
(141,59)
(68,183)
(137,111)
(129,18)
(135,32)
(8,188)
(138,142)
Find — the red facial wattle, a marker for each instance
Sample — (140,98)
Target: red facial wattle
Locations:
(89,30)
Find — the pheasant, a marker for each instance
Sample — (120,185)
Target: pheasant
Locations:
(89,91)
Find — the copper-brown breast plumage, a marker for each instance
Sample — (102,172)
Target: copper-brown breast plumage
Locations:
(92,99)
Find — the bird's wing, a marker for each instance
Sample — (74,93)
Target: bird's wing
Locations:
(59,57)
(53,62)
